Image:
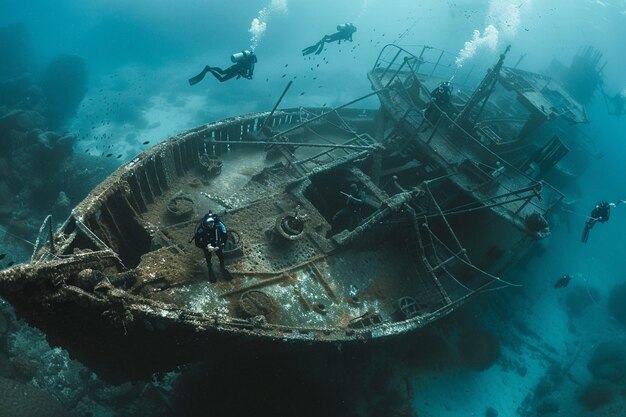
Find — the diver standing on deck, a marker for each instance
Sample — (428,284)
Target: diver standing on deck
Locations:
(211,236)
(243,67)
(349,216)
(440,98)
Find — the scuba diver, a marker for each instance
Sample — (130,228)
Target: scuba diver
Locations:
(442,94)
(441,97)
(211,236)
(243,67)
(350,215)
(344,33)
(600,213)
(563,281)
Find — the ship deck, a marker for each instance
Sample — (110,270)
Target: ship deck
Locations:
(470,159)
(308,285)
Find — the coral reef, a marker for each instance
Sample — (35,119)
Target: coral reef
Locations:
(38,167)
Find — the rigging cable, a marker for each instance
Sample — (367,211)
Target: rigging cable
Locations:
(469,263)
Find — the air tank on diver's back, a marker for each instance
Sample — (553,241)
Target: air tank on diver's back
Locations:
(241,56)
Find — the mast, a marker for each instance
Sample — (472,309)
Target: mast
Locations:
(482,93)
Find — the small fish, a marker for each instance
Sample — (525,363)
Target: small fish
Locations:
(2,256)
(284,75)
(11,263)
(563,282)
(286,65)
(119,156)
(109,155)
(302,93)
(146,142)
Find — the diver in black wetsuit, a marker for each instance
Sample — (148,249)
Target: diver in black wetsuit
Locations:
(440,98)
(350,215)
(211,236)
(243,67)
(563,281)
(600,213)
(344,33)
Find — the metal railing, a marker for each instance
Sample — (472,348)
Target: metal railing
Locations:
(429,62)
(457,139)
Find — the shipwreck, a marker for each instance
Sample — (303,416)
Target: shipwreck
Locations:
(455,195)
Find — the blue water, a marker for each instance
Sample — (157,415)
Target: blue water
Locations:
(136,59)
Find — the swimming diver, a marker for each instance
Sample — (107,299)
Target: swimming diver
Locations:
(563,281)
(600,213)
(243,67)
(344,33)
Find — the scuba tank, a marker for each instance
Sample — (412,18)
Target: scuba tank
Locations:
(242,56)
(346,27)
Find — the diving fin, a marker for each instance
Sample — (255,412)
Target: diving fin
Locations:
(588,226)
(310,49)
(199,77)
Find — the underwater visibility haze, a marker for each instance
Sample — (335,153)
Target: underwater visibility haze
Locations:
(91,87)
